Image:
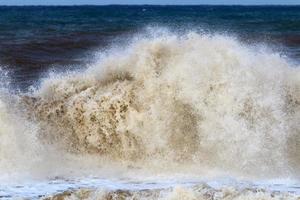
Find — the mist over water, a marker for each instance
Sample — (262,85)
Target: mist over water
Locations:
(150,102)
(166,105)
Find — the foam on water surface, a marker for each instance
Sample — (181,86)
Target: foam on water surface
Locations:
(167,105)
(42,189)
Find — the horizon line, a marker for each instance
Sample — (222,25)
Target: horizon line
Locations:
(152,5)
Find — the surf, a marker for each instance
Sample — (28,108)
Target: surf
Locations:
(168,102)
(189,105)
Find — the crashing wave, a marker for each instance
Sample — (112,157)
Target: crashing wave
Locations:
(206,101)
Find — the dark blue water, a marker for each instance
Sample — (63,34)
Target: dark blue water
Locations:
(34,39)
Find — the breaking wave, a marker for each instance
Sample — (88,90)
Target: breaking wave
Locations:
(193,103)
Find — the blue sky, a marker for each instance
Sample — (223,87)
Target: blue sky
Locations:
(103,2)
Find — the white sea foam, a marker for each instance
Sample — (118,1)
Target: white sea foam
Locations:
(188,105)
(205,101)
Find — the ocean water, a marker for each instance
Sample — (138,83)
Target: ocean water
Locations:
(150,102)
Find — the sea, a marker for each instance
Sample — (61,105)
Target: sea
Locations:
(150,102)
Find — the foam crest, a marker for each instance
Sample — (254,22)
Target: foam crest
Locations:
(192,101)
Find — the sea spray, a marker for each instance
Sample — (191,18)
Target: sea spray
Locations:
(193,103)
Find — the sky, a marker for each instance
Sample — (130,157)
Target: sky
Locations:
(164,2)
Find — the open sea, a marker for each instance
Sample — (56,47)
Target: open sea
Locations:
(150,102)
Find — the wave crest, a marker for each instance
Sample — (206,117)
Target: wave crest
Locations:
(205,100)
